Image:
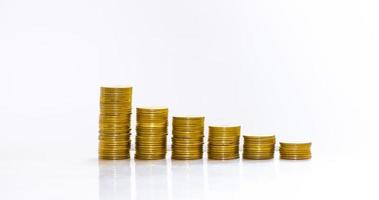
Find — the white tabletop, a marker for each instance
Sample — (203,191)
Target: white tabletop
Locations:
(88,178)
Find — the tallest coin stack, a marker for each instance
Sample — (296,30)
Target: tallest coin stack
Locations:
(114,122)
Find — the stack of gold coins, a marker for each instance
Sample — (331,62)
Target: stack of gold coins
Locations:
(295,150)
(114,122)
(258,147)
(151,136)
(187,137)
(223,142)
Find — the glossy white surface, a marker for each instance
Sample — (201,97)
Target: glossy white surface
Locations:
(74,178)
(293,68)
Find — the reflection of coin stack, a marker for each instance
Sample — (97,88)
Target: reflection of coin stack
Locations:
(188,180)
(295,151)
(114,180)
(151,180)
(258,147)
(114,123)
(223,142)
(151,133)
(217,174)
(187,138)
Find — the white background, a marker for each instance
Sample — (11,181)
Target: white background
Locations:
(301,69)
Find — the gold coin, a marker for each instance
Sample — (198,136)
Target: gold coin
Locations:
(151,151)
(187,143)
(125,147)
(260,142)
(113,89)
(247,148)
(198,157)
(189,118)
(152,116)
(257,152)
(178,152)
(149,157)
(294,149)
(225,128)
(122,116)
(258,157)
(104,157)
(219,142)
(259,147)
(113,132)
(151,143)
(187,123)
(291,144)
(148,110)
(123,107)
(295,157)
(116,96)
(189,147)
(189,139)
(225,157)
(116,99)
(151,133)
(109,131)
(151,128)
(295,154)
(188,128)
(259,136)
(196,134)
(113,142)
(113,139)
(223,134)
(185,153)
(233,137)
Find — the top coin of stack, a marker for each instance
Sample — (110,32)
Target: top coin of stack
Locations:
(187,137)
(114,122)
(223,142)
(295,150)
(258,147)
(151,133)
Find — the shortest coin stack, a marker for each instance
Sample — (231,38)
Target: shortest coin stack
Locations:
(295,151)
(258,147)
(223,142)
(187,138)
